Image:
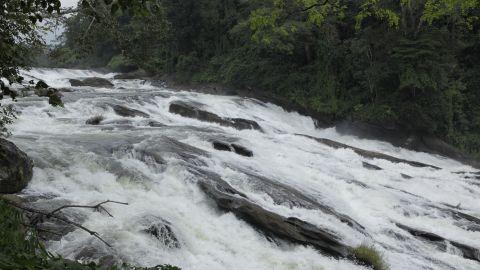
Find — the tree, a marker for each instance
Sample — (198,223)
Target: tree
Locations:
(18,34)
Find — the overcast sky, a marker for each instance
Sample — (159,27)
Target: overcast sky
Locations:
(69,3)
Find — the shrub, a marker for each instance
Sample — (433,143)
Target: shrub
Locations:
(120,63)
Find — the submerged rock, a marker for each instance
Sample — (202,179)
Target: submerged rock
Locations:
(96,120)
(369,166)
(187,110)
(403,137)
(16,168)
(155,124)
(369,154)
(240,150)
(286,195)
(467,252)
(92,82)
(128,112)
(162,231)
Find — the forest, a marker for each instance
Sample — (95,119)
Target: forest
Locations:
(408,65)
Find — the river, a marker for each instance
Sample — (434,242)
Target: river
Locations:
(150,163)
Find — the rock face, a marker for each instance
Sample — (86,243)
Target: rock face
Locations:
(187,110)
(241,150)
(128,112)
(16,168)
(370,154)
(288,228)
(92,82)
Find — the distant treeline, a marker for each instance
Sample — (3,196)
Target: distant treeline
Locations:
(409,63)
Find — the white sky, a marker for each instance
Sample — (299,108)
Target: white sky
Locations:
(69,3)
(53,36)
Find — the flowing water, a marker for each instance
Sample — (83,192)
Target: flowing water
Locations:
(86,164)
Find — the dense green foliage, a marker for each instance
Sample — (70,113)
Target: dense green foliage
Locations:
(408,63)
(18,39)
(20,248)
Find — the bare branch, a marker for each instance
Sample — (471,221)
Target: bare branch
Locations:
(96,207)
(55,216)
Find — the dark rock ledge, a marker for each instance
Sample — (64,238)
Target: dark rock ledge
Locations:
(369,154)
(232,147)
(187,110)
(441,243)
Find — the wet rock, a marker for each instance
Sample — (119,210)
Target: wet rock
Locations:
(288,228)
(96,120)
(221,146)
(468,252)
(285,195)
(128,112)
(369,166)
(241,124)
(155,124)
(190,111)
(369,154)
(41,85)
(92,82)
(238,149)
(51,230)
(16,168)
(162,231)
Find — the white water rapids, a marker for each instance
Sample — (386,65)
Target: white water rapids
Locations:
(84,164)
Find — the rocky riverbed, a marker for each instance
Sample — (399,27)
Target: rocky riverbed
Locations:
(224,182)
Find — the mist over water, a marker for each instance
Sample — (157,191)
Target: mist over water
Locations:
(85,164)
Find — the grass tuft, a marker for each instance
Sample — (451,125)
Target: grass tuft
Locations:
(369,256)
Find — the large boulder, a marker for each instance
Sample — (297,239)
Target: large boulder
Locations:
(16,168)
(92,82)
(190,111)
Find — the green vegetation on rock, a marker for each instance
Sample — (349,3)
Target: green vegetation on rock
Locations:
(369,256)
